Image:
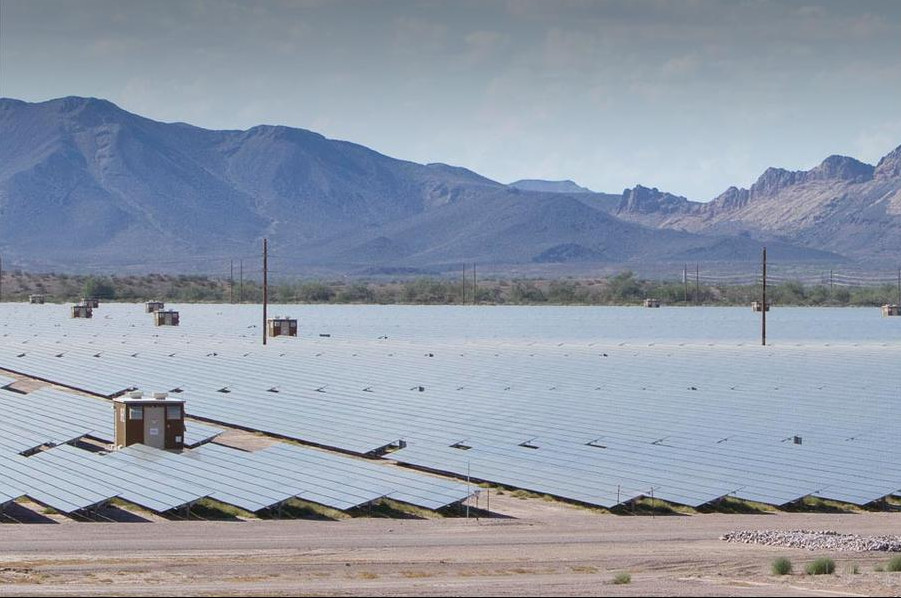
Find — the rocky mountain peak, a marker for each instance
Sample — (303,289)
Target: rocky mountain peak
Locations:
(843,168)
(774,180)
(642,200)
(890,165)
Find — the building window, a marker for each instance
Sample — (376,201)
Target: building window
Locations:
(136,413)
(173,412)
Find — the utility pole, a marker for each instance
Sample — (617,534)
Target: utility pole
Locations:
(475,288)
(831,282)
(231,281)
(463,288)
(685,281)
(764,306)
(265,285)
(697,284)
(899,286)
(1,278)
(241,293)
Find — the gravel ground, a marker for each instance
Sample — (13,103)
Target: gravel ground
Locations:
(537,548)
(816,540)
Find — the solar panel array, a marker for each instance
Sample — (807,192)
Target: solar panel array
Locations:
(162,481)
(542,399)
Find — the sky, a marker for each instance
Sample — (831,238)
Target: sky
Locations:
(688,96)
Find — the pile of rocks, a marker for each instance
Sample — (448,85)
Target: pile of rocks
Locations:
(816,540)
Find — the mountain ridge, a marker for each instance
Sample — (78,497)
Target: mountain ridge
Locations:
(84,181)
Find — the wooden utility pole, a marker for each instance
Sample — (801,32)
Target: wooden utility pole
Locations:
(265,285)
(899,286)
(231,281)
(475,285)
(831,282)
(241,287)
(764,305)
(697,284)
(685,281)
(1,278)
(463,288)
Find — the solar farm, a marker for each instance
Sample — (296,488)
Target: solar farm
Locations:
(599,406)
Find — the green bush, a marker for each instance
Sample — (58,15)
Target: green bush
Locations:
(821,566)
(894,564)
(782,566)
(622,578)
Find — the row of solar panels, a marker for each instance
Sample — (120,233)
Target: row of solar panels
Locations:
(49,417)
(662,411)
(72,480)
(569,412)
(517,323)
(619,389)
(355,423)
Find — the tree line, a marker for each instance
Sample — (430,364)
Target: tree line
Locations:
(624,288)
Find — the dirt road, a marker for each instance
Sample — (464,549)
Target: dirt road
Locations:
(540,549)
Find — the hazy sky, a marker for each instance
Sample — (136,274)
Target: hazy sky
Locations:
(690,96)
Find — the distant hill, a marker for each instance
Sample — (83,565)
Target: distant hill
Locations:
(85,185)
(549,186)
(841,205)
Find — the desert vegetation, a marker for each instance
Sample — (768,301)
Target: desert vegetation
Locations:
(624,288)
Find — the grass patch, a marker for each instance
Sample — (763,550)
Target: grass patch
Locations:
(622,578)
(49,511)
(854,569)
(651,506)
(296,508)
(385,508)
(782,566)
(821,566)
(894,564)
(368,575)
(737,506)
(207,508)
(416,574)
(583,569)
(813,504)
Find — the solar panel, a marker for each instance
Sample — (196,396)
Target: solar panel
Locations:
(133,483)
(52,485)
(594,404)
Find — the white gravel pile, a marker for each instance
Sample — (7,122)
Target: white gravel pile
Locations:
(816,540)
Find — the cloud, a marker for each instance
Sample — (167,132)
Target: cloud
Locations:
(481,46)
(416,35)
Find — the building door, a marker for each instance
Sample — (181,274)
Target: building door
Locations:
(155,426)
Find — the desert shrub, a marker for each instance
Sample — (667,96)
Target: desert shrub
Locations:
(821,566)
(782,566)
(894,564)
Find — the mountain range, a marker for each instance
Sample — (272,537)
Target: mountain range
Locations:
(87,185)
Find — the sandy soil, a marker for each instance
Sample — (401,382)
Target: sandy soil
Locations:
(536,548)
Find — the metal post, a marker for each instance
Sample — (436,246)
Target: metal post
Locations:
(763,307)
(265,285)
(468,490)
